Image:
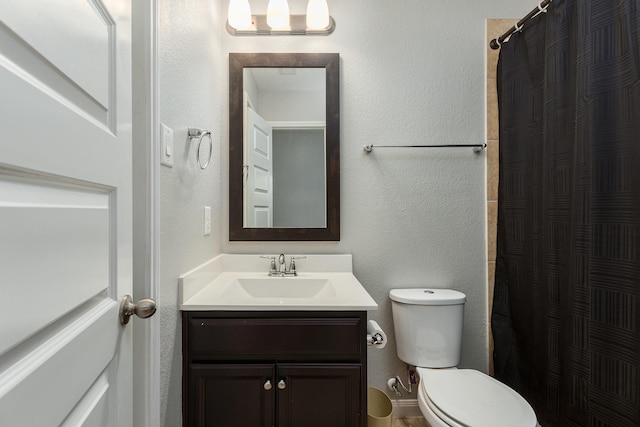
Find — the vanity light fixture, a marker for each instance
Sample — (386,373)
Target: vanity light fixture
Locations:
(278,15)
(239,14)
(278,21)
(317,14)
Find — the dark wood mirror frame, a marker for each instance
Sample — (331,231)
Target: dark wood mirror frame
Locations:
(331,63)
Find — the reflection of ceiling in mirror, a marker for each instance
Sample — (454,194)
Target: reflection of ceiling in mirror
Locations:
(304,79)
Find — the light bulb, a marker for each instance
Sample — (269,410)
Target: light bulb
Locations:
(317,14)
(278,14)
(239,14)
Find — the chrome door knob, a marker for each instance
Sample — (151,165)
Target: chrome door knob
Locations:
(282,385)
(267,385)
(144,308)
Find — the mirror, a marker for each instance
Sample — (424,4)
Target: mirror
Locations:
(284,146)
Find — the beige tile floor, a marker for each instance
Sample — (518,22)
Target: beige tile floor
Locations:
(409,422)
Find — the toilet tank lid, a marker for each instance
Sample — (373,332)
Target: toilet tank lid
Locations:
(427,296)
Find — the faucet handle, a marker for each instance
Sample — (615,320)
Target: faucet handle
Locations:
(292,263)
(272,265)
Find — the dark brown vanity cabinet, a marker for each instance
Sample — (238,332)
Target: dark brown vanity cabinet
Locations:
(274,369)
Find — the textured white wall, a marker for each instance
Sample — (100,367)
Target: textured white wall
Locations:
(412,72)
(292,105)
(192,93)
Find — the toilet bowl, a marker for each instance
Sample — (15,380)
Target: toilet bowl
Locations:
(428,328)
(465,397)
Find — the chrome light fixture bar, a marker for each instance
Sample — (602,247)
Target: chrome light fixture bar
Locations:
(240,22)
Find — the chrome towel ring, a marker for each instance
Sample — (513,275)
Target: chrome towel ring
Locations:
(199,134)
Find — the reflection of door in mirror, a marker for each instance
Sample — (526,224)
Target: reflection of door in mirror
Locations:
(284,183)
(259,162)
(285,172)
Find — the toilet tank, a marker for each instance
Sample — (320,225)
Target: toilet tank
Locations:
(428,326)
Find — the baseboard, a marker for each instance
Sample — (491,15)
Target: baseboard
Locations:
(406,408)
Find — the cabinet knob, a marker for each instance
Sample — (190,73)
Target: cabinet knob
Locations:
(267,385)
(282,385)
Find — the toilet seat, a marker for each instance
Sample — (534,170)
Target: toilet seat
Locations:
(465,397)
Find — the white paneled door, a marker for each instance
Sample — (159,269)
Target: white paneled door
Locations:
(259,186)
(65,212)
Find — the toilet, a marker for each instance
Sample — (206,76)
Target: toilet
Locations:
(428,329)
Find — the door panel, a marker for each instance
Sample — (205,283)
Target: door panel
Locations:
(74,36)
(232,396)
(55,238)
(70,348)
(319,395)
(93,408)
(65,212)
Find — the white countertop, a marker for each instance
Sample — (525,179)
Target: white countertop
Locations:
(220,284)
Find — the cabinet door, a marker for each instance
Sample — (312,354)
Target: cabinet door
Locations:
(232,395)
(316,395)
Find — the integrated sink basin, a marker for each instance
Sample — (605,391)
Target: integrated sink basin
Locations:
(280,287)
(241,283)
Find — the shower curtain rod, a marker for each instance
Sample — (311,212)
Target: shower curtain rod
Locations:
(542,7)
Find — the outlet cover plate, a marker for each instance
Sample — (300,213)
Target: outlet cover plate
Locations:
(207,220)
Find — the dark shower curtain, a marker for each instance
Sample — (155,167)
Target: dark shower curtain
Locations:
(566,312)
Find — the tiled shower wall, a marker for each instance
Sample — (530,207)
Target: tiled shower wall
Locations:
(495,28)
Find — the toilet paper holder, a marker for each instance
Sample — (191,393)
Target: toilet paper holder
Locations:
(375,335)
(375,339)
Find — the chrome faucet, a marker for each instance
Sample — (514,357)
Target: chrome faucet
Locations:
(281,269)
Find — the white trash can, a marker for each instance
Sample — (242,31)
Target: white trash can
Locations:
(379,408)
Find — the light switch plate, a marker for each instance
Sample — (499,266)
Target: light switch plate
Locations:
(166,145)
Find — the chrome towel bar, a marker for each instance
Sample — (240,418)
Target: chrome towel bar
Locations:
(476,147)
